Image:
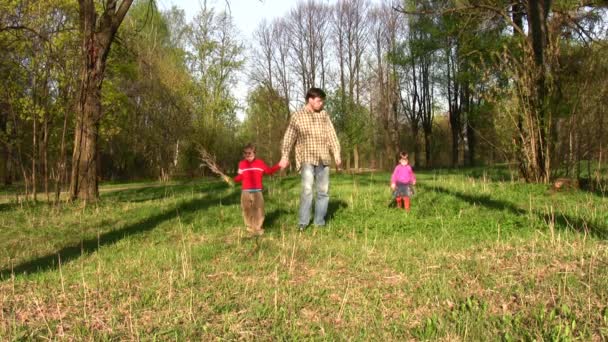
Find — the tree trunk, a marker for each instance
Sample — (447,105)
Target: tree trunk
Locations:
(455,144)
(415,134)
(356,157)
(8,166)
(44,143)
(521,138)
(348,161)
(537,24)
(45,156)
(427,148)
(97,37)
(16,155)
(471,141)
(34,157)
(454,111)
(6,149)
(470,129)
(84,158)
(61,168)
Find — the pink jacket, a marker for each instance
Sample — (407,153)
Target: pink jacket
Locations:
(403,174)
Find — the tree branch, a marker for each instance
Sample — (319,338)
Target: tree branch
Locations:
(500,12)
(121,13)
(23,28)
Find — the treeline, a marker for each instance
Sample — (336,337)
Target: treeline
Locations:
(455,83)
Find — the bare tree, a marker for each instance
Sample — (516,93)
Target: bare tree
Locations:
(271,60)
(280,39)
(307,27)
(262,68)
(350,32)
(384,34)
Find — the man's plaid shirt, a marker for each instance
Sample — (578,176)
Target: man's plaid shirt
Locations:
(314,136)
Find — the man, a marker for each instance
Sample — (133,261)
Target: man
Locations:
(314,136)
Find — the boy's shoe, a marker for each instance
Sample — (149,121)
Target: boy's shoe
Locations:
(301,227)
(259,231)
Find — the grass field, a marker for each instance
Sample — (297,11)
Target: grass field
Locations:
(477,258)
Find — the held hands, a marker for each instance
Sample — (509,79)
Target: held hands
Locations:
(283,163)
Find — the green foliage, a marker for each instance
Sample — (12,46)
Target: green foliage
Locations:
(265,123)
(38,71)
(157,99)
(353,123)
(161,99)
(215,58)
(145,98)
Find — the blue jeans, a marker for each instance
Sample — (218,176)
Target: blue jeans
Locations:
(318,174)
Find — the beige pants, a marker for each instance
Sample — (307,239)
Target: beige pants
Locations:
(252,204)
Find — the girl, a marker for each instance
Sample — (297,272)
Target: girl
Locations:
(402,182)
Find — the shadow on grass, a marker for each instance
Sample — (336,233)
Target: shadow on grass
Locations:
(493,174)
(272,217)
(333,207)
(29,205)
(594,186)
(373,180)
(496,173)
(288,181)
(138,195)
(7,206)
(160,191)
(561,221)
(69,253)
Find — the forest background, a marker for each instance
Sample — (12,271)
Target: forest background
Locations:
(119,90)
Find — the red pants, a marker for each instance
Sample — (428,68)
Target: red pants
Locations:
(403,202)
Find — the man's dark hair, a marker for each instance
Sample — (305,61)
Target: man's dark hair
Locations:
(314,93)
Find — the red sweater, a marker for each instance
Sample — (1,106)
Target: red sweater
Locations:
(251,173)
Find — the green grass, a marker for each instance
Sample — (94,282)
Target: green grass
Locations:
(475,259)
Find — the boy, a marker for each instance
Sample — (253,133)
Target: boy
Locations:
(250,173)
